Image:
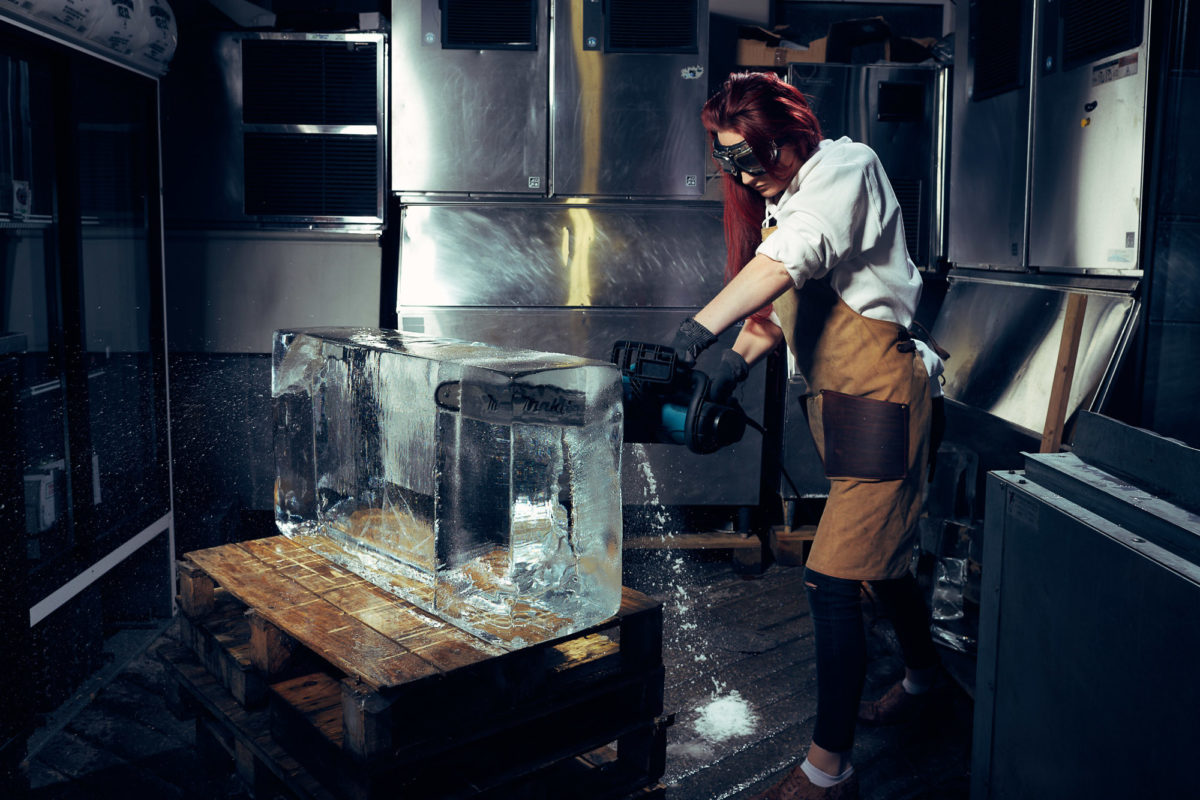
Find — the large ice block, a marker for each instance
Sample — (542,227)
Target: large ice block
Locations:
(480,483)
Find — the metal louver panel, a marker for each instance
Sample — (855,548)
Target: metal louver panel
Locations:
(908,194)
(1096,28)
(310,83)
(996,29)
(489,24)
(651,26)
(312,109)
(109,175)
(311,175)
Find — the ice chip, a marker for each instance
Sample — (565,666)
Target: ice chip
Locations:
(482,484)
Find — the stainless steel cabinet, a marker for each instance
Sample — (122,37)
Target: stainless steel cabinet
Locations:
(1090,589)
(900,112)
(1087,157)
(1049,135)
(549,97)
(469,119)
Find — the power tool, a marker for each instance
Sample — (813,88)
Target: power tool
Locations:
(665,401)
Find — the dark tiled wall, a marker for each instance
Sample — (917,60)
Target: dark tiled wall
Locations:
(223,463)
(1173,310)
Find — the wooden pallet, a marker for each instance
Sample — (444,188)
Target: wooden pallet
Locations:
(749,553)
(231,737)
(377,698)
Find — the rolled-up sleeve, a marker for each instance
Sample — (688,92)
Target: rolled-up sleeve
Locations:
(833,216)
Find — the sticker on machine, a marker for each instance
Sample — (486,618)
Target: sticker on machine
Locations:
(1022,509)
(1114,70)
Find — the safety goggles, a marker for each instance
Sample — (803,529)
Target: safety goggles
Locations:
(738,158)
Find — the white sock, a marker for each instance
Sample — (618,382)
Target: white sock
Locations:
(920,682)
(823,779)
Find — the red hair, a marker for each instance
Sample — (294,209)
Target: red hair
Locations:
(767,113)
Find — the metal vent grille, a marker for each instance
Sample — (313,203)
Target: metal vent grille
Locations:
(311,175)
(908,193)
(489,24)
(996,28)
(109,175)
(309,83)
(651,26)
(1096,28)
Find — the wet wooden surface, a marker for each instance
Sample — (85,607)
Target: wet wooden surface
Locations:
(723,634)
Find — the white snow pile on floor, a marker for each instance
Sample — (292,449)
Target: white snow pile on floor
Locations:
(726,717)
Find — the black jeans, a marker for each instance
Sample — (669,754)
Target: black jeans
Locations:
(835,604)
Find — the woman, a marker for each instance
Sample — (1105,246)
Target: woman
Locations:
(816,257)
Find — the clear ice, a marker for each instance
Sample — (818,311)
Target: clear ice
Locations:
(481,484)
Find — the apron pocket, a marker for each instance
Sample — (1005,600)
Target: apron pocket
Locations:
(865,439)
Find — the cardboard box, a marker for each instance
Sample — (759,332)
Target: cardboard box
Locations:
(856,41)
(759,47)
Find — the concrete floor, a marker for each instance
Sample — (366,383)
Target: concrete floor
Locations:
(740,678)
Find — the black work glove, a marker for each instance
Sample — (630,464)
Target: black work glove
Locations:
(730,371)
(691,340)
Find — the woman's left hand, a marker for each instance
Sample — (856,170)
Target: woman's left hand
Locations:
(731,370)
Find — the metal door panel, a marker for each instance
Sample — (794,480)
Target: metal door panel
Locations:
(229,290)
(466,120)
(988,169)
(627,124)
(1088,151)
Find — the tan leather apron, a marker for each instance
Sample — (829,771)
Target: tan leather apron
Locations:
(869,412)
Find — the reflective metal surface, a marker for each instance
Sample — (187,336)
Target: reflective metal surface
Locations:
(1087,161)
(557,254)
(466,120)
(227,291)
(651,473)
(900,112)
(626,123)
(1048,167)
(989,137)
(563,116)
(575,278)
(1003,339)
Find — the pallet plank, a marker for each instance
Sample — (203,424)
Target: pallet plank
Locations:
(322,627)
(237,731)
(195,590)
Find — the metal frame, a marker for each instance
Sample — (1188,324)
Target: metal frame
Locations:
(233,64)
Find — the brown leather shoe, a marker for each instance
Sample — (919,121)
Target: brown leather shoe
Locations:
(796,786)
(895,706)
